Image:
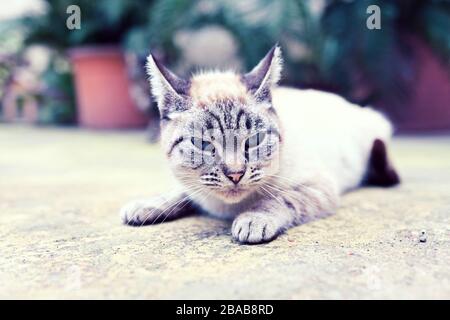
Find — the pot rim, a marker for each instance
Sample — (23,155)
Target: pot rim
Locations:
(93,50)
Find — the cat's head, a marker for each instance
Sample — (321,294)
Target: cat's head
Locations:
(219,130)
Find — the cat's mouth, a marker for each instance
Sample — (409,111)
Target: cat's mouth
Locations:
(233,193)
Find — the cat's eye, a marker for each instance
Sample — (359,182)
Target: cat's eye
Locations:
(255,140)
(201,144)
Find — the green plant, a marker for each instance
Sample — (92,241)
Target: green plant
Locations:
(379,63)
(434,24)
(339,52)
(102,22)
(56,99)
(10,52)
(256,25)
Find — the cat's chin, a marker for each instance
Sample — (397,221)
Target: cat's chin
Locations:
(232,195)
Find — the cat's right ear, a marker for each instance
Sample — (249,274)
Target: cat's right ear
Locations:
(169,90)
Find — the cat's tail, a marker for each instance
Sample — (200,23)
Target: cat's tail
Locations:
(380,170)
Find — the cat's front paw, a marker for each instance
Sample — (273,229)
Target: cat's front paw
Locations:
(255,227)
(139,213)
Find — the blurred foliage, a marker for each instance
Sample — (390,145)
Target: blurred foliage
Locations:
(57,98)
(434,23)
(10,47)
(338,53)
(370,63)
(326,42)
(380,63)
(256,25)
(103,22)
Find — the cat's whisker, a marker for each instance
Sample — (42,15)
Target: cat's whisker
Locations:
(175,207)
(288,193)
(272,195)
(149,214)
(158,198)
(191,187)
(285,193)
(278,188)
(189,201)
(172,206)
(291,182)
(285,180)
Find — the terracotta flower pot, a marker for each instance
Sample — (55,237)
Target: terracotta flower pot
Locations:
(102,89)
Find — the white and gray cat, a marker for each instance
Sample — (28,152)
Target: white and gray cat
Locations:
(266,158)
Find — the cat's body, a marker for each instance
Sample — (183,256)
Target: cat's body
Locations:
(293,152)
(343,136)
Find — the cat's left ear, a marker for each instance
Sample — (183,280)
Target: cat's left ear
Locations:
(265,75)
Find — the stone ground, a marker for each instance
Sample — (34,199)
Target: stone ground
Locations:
(60,235)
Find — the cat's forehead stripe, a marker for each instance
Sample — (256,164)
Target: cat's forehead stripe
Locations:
(217,119)
(207,88)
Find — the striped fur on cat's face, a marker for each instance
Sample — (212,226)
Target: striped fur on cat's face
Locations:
(219,129)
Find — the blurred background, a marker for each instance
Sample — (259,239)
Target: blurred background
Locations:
(94,76)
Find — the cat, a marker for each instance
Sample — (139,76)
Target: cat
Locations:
(266,157)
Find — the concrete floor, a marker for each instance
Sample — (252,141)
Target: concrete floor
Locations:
(60,235)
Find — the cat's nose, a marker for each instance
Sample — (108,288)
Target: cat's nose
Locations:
(235,177)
